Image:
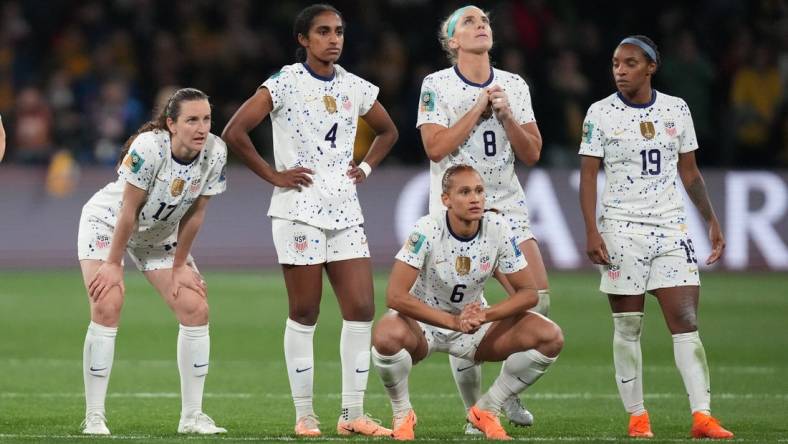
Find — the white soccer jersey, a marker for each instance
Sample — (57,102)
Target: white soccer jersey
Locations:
(172,186)
(640,147)
(314,124)
(446,96)
(453,270)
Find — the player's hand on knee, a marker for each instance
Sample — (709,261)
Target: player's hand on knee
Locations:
(293,178)
(185,276)
(107,276)
(597,250)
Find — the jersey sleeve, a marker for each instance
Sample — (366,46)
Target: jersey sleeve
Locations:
(520,103)
(280,85)
(367,95)
(687,140)
(592,142)
(217,181)
(510,258)
(418,245)
(432,107)
(141,163)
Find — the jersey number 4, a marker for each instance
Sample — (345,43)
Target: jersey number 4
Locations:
(331,135)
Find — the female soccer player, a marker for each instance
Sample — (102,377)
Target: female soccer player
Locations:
(170,168)
(474,114)
(645,138)
(435,293)
(316,217)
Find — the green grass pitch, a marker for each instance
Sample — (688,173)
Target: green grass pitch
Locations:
(43,317)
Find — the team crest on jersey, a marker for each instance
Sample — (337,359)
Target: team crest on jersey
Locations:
(133,161)
(414,242)
(102,241)
(588,131)
(330,103)
(177,187)
(670,128)
(462,265)
(194,186)
(300,242)
(427,101)
(647,130)
(613,272)
(484,264)
(347,105)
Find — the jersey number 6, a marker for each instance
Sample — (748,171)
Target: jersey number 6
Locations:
(456,294)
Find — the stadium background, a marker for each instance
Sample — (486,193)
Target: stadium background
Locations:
(77,77)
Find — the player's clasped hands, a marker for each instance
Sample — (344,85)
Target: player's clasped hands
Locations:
(293,178)
(184,276)
(107,276)
(470,318)
(494,100)
(356,174)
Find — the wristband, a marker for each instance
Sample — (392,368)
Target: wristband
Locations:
(363,166)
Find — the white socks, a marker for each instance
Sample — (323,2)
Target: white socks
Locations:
(394,371)
(194,349)
(468,377)
(543,306)
(97,356)
(518,372)
(354,353)
(300,365)
(691,362)
(628,361)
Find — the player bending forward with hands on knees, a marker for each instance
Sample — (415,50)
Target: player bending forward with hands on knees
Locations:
(436,298)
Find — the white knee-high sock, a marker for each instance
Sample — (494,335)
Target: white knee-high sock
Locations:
(299,359)
(194,350)
(468,377)
(518,372)
(628,360)
(543,306)
(691,361)
(354,352)
(97,356)
(394,371)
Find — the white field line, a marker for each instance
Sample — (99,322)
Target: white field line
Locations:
(527,396)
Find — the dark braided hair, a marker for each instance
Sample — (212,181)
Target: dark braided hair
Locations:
(171,110)
(303,22)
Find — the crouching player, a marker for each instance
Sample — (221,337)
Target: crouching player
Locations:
(436,295)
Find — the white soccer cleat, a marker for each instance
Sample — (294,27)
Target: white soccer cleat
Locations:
(471,430)
(515,412)
(95,424)
(200,424)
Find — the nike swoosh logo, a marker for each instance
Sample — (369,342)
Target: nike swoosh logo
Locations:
(440,262)
(519,379)
(361,371)
(624,381)
(302,370)
(310,99)
(200,365)
(462,369)
(97,369)
(389,386)
(618,133)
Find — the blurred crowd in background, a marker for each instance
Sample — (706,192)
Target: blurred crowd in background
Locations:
(78,77)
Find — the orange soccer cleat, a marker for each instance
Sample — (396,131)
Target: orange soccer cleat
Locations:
(487,422)
(403,426)
(307,426)
(707,426)
(640,426)
(363,425)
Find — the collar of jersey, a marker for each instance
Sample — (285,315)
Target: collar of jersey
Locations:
(478,85)
(318,76)
(638,105)
(460,238)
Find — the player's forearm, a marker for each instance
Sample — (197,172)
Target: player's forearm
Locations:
(526,146)
(241,145)
(124,227)
(448,140)
(381,146)
(696,190)
(187,232)
(520,302)
(410,306)
(588,197)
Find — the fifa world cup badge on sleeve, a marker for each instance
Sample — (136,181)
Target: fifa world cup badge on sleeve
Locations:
(647,130)
(133,161)
(427,101)
(414,243)
(588,131)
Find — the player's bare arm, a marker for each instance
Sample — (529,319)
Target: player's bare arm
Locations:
(696,190)
(523,298)
(440,141)
(526,140)
(595,246)
(183,275)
